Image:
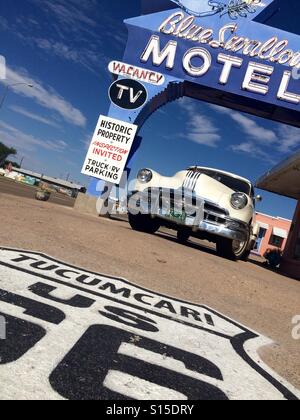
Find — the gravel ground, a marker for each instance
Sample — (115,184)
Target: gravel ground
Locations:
(258,298)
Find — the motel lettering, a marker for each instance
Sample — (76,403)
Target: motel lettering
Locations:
(256,79)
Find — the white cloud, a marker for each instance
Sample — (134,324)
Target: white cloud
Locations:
(70,14)
(289,139)
(3,24)
(200,128)
(44,96)
(91,60)
(87,140)
(31,115)
(24,142)
(254,130)
(251,149)
(79,31)
(259,142)
(250,127)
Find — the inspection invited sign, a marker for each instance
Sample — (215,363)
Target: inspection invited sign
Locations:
(109,149)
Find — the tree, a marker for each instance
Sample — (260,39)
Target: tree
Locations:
(5,152)
(14,164)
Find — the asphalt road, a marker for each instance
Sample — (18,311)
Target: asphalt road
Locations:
(26,191)
(261,300)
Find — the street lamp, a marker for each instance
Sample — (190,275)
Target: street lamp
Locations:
(7,90)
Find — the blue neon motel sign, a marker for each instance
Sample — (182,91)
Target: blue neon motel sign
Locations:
(220,52)
(230,52)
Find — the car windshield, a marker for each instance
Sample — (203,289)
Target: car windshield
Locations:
(234,184)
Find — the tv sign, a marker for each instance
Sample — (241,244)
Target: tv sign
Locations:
(128,94)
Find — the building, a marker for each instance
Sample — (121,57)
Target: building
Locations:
(56,182)
(284,180)
(273,233)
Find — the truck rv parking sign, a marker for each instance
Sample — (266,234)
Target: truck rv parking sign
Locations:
(109,149)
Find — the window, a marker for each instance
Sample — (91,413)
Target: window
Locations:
(276,241)
(260,238)
(231,182)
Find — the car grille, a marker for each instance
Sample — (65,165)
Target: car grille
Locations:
(166,198)
(215,209)
(214,219)
(212,212)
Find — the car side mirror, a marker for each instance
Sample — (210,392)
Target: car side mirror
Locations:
(258,199)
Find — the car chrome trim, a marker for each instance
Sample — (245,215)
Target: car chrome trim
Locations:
(219,227)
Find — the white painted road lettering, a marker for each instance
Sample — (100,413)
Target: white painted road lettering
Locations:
(296,328)
(74,334)
(2,328)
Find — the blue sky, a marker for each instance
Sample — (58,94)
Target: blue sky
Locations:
(63,48)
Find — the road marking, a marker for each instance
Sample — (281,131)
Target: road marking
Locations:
(75,334)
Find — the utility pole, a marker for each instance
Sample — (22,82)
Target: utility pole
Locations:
(7,90)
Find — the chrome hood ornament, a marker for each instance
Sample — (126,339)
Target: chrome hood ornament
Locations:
(233,8)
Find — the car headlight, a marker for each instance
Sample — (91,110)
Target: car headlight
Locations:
(145,175)
(239,201)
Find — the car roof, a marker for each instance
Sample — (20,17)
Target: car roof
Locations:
(222,172)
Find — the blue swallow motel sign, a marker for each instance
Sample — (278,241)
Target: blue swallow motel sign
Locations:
(220,52)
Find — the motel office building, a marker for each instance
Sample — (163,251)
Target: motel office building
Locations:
(273,233)
(284,180)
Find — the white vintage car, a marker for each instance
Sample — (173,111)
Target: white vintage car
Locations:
(201,202)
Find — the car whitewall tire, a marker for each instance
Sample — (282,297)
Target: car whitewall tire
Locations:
(233,250)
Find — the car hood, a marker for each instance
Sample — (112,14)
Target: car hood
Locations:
(212,190)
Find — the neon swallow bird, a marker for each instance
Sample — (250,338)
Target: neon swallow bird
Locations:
(233,8)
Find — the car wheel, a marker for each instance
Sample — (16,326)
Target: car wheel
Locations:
(183,236)
(143,223)
(232,249)
(246,255)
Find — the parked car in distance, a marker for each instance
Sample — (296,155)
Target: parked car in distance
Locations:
(206,203)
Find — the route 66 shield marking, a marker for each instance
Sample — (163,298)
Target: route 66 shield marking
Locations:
(74,334)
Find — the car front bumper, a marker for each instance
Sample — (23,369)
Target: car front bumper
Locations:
(240,235)
(202,216)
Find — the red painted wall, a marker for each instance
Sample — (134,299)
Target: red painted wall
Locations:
(276,222)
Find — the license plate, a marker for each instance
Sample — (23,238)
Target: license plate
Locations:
(177,216)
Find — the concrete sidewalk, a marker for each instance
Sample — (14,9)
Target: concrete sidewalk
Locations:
(260,299)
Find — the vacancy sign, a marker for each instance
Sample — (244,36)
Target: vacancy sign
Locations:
(136,73)
(109,150)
